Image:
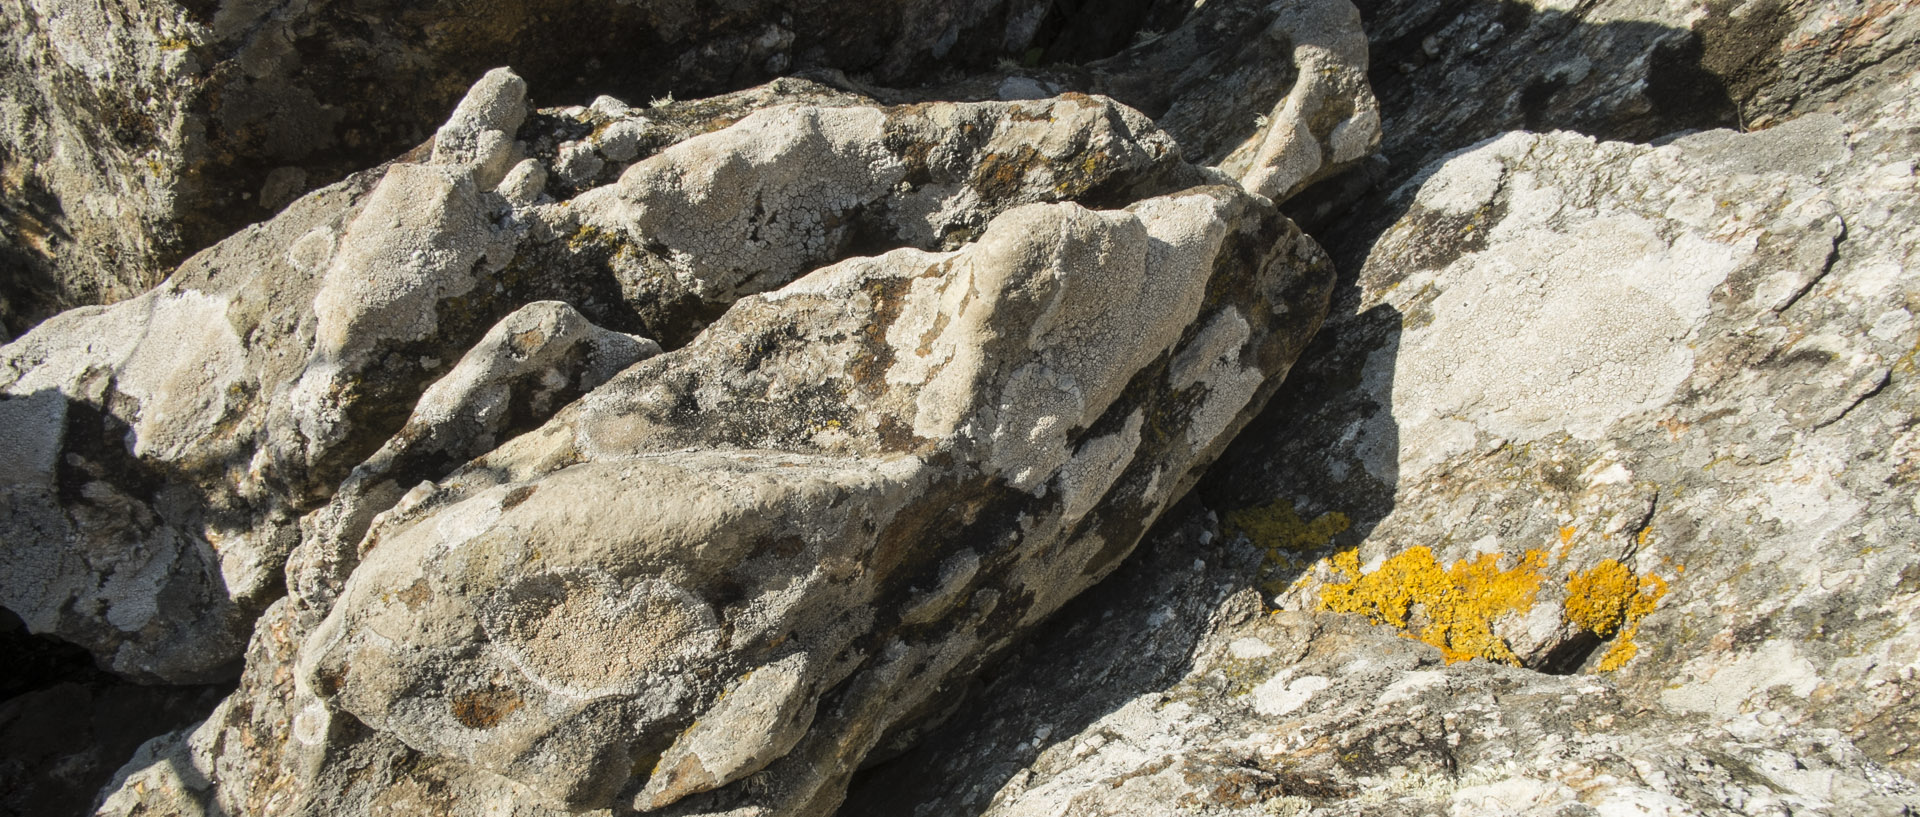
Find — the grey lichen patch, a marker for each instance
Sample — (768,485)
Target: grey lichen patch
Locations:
(548,622)
(793,527)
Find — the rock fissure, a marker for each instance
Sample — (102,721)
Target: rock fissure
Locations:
(802,437)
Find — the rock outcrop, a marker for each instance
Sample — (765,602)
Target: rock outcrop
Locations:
(916,399)
(254,386)
(763,452)
(1301,713)
(139,132)
(1701,441)
(1629,418)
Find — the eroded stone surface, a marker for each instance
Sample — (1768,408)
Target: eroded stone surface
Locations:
(137,132)
(1690,360)
(937,407)
(1309,713)
(1659,387)
(304,344)
(826,506)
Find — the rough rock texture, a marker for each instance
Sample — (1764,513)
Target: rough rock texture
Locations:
(1274,94)
(700,457)
(1715,393)
(1450,73)
(305,343)
(1638,413)
(761,553)
(1311,713)
(1622,69)
(137,132)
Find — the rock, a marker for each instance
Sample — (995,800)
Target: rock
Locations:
(1298,713)
(306,343)
(63,742)
(66,727)
(1275,95)
(533,361)
(749,208)
(897,463)
(1451,74)
(692,458)
(1617,460)
(887,465)
(1661,390)
(139,132)
(126,152)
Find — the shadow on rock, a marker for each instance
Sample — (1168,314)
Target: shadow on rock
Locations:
(1319,469)
(65,727)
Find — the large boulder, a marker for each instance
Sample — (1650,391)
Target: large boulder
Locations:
(915,399)
(139,132)
(830,506)
(1664,389)
(169,446)
(1591,497)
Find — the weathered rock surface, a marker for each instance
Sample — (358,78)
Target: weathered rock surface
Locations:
(1450,74)
(1626,411)
(692,458)
(305,344)
(1713,392)
(1274,94)
(823,509)
(138,132)
(1310,713)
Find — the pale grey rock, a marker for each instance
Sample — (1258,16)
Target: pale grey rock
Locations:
(535,360)
(261,750)
(880,406)
(1691,359)
(198,421)
(784,189)
(1173,688)
(1275,95)
(853,478)
(1309,713)
(135,133)
(1452,73)
(576,603)
(306,343)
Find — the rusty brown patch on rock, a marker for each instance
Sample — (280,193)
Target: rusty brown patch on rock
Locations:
(517,496)
(415,595)
(1000,174)
(483,708)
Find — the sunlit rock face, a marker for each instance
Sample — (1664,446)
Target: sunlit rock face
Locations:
(932,409)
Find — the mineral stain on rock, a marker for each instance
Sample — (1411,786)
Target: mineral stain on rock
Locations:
(803,437)
(483,708)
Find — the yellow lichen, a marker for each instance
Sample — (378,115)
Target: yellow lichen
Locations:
(1454,608)
(1278,531)
(1609,600)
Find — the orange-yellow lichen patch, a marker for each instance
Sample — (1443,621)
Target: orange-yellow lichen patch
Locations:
(1278,531)
(1454,607)
(1609,600)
